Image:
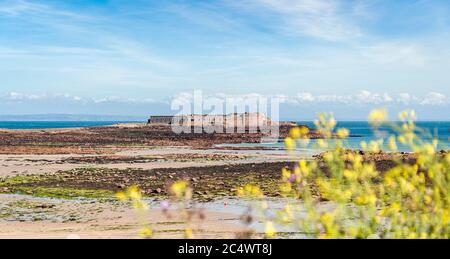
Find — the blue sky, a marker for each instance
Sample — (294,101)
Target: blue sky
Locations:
(133,57)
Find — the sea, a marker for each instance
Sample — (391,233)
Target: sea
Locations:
(359,131)
(56,124)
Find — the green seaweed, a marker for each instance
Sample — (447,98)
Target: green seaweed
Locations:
(62,193)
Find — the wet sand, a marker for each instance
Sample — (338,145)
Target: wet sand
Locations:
(32,217)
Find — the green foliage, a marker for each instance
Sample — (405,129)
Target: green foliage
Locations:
(407,201)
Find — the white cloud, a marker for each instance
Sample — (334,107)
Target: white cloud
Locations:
(406,98)
(362,98)
(333,98)
(15,96)
(23,97)
(434,98)
(305,97)
(116,99)
(375,98)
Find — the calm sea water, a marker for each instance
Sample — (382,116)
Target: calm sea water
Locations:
(54,124)
(359,130)
(362,131)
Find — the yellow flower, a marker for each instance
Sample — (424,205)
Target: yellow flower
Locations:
(285,173)
(403,115)
(395,206)
(295,133)
(446,217)
(121,196)
(343,133)
(352,231)
(289,143)
(250,191)
(134,193)
(408,115)
(188,233)
(304,168)
(363,145)
(427,199)
(349,174)
(428,149)
(369,199)
(269,230)
(256,191)
(146,232)
(412,235)
(179,188)
(303,131)
(286,188)
(322,143)
(326,219)
(377,116)
(374,146)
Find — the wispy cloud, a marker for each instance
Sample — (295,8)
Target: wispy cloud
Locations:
(434,98)
(323,19)
(89,29)
(313,51)
(20,7)
(16,7)
(206,15)
(52,51)
(87,49)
